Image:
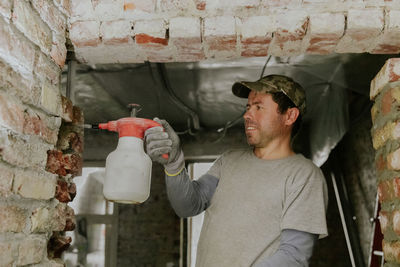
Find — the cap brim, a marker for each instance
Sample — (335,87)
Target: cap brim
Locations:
(242,89)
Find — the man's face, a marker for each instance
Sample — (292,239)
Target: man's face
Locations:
(263,122)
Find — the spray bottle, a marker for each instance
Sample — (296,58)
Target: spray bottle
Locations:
(128,167)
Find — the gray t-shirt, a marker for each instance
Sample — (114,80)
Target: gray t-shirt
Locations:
(254,201)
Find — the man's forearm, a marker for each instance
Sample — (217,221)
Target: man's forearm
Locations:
(190,197)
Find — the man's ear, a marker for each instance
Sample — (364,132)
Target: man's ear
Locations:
(291,115)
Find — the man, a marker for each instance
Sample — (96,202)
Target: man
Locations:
(264,206)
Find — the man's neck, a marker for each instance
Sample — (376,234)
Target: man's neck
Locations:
(276,149)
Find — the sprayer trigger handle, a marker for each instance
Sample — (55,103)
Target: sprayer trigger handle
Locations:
(165,156)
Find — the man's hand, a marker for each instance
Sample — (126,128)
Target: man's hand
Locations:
(159,142)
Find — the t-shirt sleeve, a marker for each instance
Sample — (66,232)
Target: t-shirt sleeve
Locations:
(215,169)
(305,203)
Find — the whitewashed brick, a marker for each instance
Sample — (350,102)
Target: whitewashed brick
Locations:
(389,41)
(231,4)
(281,3)
(108,9)
(50,98)
(30,153)
(185,35)
(184,27)
(128,53)
(390,72)
(220,37)
(256,35)
(133,6)
(45,68)
(85,33)
(116,32)
(32,250)
(16,50)
(17,85)
(363,28)
(6,180)
(324,32)
(177,5)
(31,25)
(82,10)
(291,29)
(51,15)
(36,185)
(59,50)
(13,219)
(7,252)
(155,28)
(5,8)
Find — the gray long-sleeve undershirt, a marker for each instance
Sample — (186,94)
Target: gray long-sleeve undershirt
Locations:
(191,197)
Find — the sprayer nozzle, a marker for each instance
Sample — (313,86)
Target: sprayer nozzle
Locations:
(91,126)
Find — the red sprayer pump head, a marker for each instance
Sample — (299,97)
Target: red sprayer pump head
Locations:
(134,127)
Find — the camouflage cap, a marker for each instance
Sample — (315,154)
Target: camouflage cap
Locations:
(274,84)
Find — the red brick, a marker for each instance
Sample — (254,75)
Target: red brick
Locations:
(57,245)
(13,219)
(385,191)
(390,72)
(201,4)
(391,251)
(40,125)
(31,25)
(78,116)
(151,33)
(70,140)
(65,192)
(51,15)
(64,217)
(63,164)
(381,163)
(390,99)
(85,33)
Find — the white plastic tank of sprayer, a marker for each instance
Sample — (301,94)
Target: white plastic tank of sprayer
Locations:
(128,167)
(128,172)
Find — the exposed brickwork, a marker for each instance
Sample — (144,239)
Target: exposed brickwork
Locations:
(386,136)
(32,53)
(231,29)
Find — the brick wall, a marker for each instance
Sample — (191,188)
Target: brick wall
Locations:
(385,91)
(37,158)
(133,31)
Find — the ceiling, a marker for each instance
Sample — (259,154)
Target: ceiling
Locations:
(196,97)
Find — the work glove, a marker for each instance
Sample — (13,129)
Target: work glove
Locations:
(161,140)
